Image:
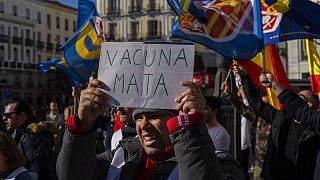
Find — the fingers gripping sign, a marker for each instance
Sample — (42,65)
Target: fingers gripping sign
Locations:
(191,100)
(92,103)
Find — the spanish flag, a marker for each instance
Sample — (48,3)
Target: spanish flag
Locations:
(272,64)
(314,66)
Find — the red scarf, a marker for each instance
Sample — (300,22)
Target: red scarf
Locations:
(151,164)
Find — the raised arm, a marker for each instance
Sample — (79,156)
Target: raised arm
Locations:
(77,158)
(193,146)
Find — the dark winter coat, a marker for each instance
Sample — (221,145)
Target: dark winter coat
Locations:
(292,150)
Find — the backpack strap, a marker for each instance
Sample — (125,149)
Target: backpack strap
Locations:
(15,173)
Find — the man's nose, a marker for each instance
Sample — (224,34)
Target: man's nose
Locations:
(145,123)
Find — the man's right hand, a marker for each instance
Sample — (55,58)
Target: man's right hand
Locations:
(92,103)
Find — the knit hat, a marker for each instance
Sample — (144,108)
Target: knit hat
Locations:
(152,110)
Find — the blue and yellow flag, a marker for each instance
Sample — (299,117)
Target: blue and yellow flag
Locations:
(285,20)
(62,66)
(82,50)
(232,28)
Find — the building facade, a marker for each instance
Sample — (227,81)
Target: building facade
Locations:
(31,32)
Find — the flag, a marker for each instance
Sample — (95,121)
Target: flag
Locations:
(272,64)
(232,28)
(314,66)
(62,66)
(285,20)
(82,50)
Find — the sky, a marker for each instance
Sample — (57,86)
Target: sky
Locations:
(72,3)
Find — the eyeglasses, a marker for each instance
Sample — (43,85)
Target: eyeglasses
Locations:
(9,114)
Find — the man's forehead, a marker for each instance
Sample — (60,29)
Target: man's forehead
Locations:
(10,107)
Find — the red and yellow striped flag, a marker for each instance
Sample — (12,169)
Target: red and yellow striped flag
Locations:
(274,65)
(314,66)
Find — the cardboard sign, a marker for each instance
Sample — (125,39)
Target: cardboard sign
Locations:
(145,75)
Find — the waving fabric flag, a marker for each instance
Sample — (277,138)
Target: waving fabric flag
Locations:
(232,28)
(61,65)
(314,66)
(272,64)
(285,20)
(82,50)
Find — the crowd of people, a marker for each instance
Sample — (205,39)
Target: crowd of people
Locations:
(100,142)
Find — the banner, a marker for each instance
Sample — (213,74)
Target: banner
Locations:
(145,75)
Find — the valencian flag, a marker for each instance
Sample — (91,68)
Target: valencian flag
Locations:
(272,64)
(82,50)
(314,66)
(232,28)
(285,20)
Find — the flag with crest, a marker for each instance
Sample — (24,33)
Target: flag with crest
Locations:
(285,20)
(232,28)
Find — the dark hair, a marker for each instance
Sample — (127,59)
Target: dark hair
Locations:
(11,152)
(213,102)
(24,106)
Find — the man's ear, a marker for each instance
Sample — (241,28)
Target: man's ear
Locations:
(24,116)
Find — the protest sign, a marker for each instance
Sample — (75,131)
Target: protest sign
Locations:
(145,75)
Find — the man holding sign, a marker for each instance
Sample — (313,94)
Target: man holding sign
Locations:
(168,146)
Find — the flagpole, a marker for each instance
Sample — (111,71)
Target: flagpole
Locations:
(75,94)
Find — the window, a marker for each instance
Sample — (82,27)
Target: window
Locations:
(58,39)
(66,24)
(136,6)
(48,38)
(112,31)
(305,75)
(304,53)
(28,55)
(74,26)
(66,39)
(1,7)
(28,34)
(15,54)
(49,21)
(1,29)
(28,13)
(38,36)
(39,58)
(39,17)
(152,28)
(2,53)
(15,32)
(58,22)
(134,30)
(15,10)
(113,6)
(152,5)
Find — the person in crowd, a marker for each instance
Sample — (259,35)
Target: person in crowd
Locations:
(54,114)
(302,106)
(164,149)
(291,149)
(35,139)
(219,135)
(108,133)
(128,130)
(12,161)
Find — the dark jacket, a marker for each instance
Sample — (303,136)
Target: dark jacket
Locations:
(193,153)
(36,142)
(291,152)
(308,117)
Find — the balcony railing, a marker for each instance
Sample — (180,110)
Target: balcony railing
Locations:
(153,35)
(49,46)
(29,42)
(4,38)
(134,37)
(135,9)
(113,37)
(112,11)
(40,45)
(16,40)
(153,8)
